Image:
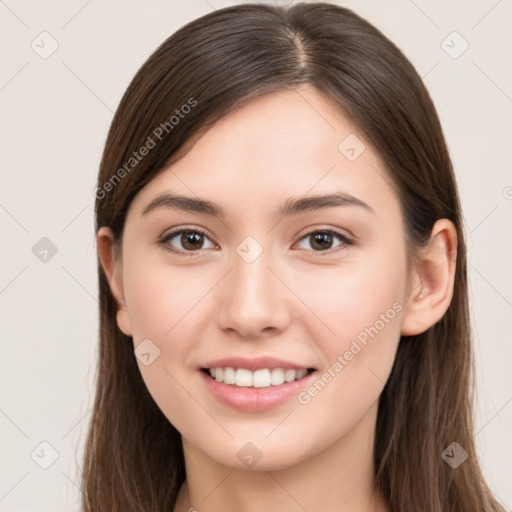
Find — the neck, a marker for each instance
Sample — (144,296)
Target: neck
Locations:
(339,478)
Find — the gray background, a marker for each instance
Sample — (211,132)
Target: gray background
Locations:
(56,112)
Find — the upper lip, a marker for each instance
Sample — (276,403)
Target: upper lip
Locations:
(256,363)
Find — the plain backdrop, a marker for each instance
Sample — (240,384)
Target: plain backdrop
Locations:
(56,109)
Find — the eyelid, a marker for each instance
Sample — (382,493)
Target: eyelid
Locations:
(344,233)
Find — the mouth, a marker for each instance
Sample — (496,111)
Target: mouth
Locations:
(260,378)
(256,384)
(263,389)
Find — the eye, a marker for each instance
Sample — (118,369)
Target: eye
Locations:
(323,240)
(191,240)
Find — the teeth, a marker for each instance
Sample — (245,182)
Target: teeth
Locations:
(243,377)
(229,376)
(301,373)
(289,375)
(263,378)
(277,376)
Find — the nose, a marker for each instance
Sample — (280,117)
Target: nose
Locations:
(253,301)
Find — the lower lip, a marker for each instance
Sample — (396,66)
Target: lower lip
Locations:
(255,399)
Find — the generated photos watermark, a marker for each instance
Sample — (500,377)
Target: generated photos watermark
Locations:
(356,346)
(151,142)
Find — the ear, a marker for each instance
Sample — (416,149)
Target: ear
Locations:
(430,288)
(114,272)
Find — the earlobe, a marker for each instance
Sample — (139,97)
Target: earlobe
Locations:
(431,288)
(113,272)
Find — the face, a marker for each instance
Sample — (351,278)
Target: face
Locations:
(279,281)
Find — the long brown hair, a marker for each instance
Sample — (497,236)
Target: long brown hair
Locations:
(133,455)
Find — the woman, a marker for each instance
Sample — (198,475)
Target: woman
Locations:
(282,273)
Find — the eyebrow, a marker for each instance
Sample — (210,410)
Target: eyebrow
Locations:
(291,206)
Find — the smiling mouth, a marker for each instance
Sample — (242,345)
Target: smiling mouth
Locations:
(262,378)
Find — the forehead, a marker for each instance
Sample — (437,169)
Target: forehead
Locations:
(286,144)
(275,130)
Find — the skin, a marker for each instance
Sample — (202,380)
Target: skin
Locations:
(293,302)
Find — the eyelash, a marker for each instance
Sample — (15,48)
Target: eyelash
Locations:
(346,241)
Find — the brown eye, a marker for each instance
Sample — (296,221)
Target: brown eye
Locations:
(191,240)
(323,240)
(186,240)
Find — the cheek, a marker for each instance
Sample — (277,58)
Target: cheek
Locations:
(354,296)
(362,306)
(162,300)
(165,307)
